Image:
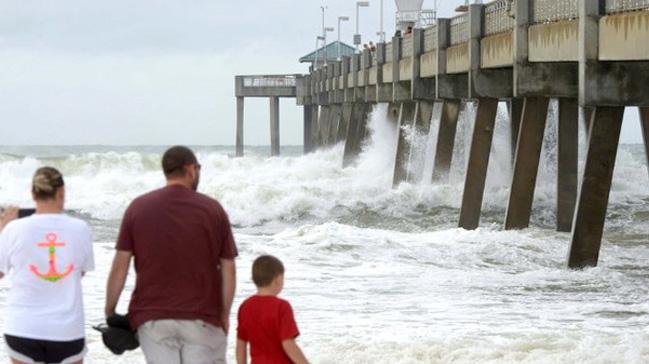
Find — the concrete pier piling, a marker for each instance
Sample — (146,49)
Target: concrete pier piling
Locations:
(644,120)
(526,162)
(239,140)
(308,124)
(334,124)
(345,117)
(515,108)
(406,123)
(274,126)
(450,111)
(323,125)
(591,207)
(567,159)
(476,173)
(422,119)
(355,133)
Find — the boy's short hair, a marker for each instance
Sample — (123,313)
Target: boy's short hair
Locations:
(266,268)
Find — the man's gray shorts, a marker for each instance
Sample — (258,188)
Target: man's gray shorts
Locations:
(182,342)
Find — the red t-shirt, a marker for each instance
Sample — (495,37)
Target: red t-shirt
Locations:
(177,237)
(264,322)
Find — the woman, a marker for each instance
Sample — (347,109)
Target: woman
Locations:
(45,256)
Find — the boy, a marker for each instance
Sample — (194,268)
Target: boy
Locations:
(266,321)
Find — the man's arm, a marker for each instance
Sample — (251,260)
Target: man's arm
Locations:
(229,284)
(117,279)
(242,352)
(294,352)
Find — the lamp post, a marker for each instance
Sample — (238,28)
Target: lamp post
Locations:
(381,32)
(315,63)
(324,53)
(357,36)
(340,18)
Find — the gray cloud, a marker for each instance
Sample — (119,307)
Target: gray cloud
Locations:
(156,72)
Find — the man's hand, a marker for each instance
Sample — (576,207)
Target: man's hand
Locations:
(116,280)
(7,216)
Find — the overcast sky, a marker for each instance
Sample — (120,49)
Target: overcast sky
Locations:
(162,72)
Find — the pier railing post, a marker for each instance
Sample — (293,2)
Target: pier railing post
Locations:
(526,162)
(443,42)
(476,173)
(450,111)
(567,159)
(239,140)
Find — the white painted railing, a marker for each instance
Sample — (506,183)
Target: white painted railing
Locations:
(460,29)
(617,6)
(548,11)
(498,17)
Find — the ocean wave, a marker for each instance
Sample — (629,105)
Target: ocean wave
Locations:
(257,190)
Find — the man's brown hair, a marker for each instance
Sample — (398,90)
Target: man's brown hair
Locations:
(175,159)
(266,268)
(46,183)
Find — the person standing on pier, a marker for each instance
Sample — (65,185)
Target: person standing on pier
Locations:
(184,253)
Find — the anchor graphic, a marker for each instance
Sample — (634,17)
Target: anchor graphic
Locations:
(52,275)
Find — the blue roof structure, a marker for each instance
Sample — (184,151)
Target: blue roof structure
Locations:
(328,53)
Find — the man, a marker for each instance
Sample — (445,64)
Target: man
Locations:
(184,253)
(45,256)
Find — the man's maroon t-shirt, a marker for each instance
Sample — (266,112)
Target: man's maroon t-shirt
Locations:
(177,237)
(264,322)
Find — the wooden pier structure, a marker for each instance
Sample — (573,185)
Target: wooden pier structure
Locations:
(591,55)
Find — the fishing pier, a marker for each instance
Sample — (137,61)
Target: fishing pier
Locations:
(590,55)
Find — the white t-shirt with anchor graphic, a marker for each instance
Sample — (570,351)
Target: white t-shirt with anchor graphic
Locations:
(44,257)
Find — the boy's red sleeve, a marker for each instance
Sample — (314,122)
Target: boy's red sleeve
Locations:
(242,333)
(287,325)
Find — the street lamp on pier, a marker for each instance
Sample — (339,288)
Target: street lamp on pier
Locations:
(357,36)
(340,18)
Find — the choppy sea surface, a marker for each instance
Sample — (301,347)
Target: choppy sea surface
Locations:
(382,275)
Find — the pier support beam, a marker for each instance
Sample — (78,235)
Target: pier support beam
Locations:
(644,120)
(274,126)
(526,162)
(323,122)
(406,118)
(334,122)
(239,140)
(587,113)
(355,133)
(308,121)
(445,140)
(476,173)
(423,116)
(567,158)
(590,213)
(344,122)
(515,107)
